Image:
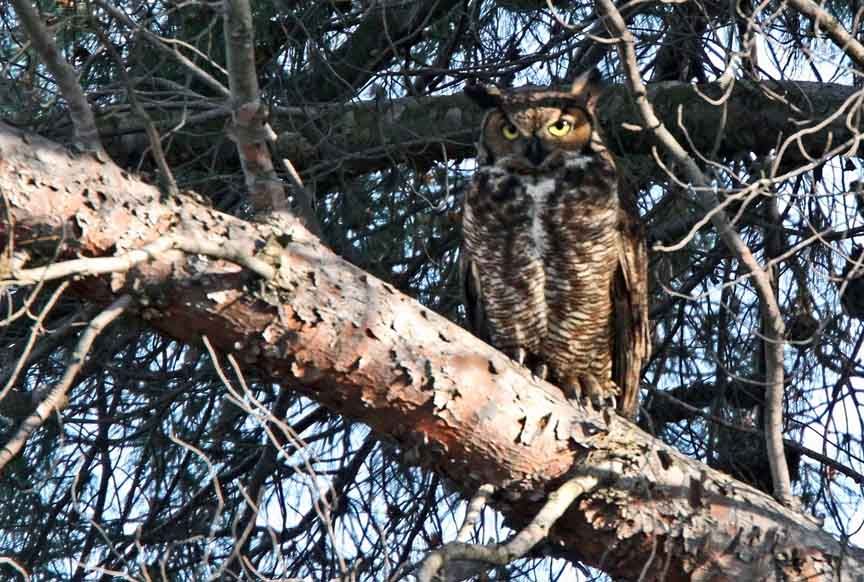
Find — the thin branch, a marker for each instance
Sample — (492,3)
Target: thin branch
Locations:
(213,475)
(166,175)
(121,263)
(159,44)
(719,421)
(57,398)
(36,330)
(835,31)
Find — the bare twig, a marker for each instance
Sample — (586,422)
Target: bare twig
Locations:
(160,44)
(502,554)
(835,31)
(326,498)
(304,200)
(250,129)
(57,398)
(121,263)
(35,331)
(770,310)
(17,404)
(253,488)
(217,489)
(807,452)
(165,173)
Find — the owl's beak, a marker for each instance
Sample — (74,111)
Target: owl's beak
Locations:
(535,151)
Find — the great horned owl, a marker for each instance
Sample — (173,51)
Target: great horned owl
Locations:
(554,262)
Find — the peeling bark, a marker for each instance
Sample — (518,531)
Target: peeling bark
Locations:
(454,405)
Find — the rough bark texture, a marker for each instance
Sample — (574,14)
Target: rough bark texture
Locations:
(455,405)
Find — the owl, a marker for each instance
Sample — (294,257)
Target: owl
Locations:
(553,260)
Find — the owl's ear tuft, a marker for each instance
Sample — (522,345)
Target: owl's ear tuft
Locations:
(486,96)
(589,86)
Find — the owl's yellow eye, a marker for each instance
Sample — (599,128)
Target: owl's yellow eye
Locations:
(560,128)
(509,131)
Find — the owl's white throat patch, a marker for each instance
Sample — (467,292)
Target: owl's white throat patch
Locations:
(539,190)
(578,161)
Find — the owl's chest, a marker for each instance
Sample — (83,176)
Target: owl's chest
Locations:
(539,194)
(538,215)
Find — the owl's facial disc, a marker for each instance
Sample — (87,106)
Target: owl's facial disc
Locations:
(532,139)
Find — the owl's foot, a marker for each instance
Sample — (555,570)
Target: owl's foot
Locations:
(592,391)
(541,371)
(519,355)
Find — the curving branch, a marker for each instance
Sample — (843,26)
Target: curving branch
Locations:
(772,320)
(55,400)
(523,542)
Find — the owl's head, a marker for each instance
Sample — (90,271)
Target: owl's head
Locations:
(531,129)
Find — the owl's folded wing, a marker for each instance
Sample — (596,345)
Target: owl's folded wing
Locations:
(473,291)
(631,344)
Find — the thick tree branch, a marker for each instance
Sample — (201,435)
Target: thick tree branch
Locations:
(457,406)
(67,79)
(371,136)
(250,129)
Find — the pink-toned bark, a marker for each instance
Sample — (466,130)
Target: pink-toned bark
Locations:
(453,404)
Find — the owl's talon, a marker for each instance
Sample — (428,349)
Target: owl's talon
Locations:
(572,390)
(520,356)
(591,392)
(540,371)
